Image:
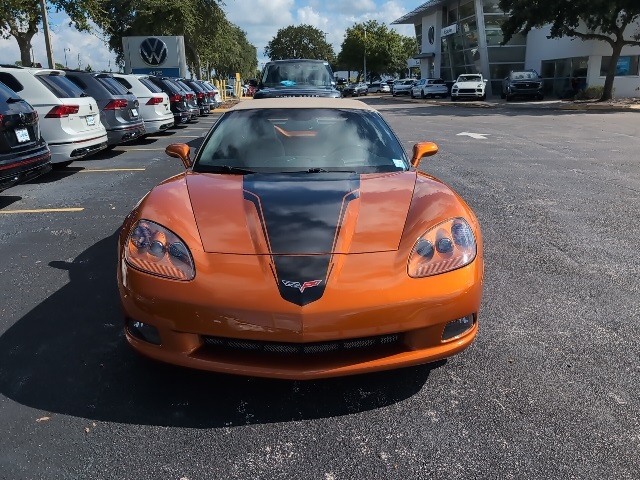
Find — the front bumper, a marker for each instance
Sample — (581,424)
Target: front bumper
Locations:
(118,135)
(23,169)
(192,318)
(468,93)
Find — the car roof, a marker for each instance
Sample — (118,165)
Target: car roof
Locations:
(302,102)
(295,60)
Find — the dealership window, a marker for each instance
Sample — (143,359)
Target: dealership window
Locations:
(493,31)
(561,74)
(491,6)
(506,54)
(419,37)
(625,66)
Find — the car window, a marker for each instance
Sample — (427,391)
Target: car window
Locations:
(523,75)
(78,81)
(61,86)
(124,82)
(276,140)
(195,87)
(114,87)
(6,93)
(11,82)
(292,74)
(469,78)
(150,85)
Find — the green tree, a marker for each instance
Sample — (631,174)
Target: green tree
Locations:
(302,41)
(20,19)
(386,50)
(208,35)
(610,21)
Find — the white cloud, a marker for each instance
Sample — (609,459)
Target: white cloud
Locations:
(64,40)
(260,19)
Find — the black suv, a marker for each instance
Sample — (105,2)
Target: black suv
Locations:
(522,83)
(177,99)
(297,78)
(23,153)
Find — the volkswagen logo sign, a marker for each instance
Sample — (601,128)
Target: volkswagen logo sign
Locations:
(431,35)
(153,51)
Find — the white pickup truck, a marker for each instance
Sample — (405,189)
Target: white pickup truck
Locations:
(469,85)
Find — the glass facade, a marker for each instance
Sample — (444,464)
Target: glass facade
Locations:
(563,75)
(626,66)
(464,52)
(460,50)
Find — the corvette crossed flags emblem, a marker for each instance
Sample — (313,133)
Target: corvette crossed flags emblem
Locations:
(303,286)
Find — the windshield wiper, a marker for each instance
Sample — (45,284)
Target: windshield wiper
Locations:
(324,170)
(226,169)
(13,100)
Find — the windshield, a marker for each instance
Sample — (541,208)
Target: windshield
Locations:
(297,74)
(469,78)
(523,75)
(296,139)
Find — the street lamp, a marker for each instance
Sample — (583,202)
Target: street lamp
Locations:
(65,56)
(365,55)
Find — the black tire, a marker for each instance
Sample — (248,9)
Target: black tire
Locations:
(483,97)
(453,99)
(502,95)
(508,97)
(421,93)
(412,96)
(540,97)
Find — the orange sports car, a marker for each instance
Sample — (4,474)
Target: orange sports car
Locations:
(301,242)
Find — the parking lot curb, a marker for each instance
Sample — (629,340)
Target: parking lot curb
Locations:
(554,105)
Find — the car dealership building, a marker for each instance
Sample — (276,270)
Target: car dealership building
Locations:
(464,36)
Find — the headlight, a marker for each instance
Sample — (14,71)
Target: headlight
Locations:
(480,85)
(444,247)
(154,249)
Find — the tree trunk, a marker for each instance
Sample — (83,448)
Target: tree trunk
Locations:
(24,43)
(607,92)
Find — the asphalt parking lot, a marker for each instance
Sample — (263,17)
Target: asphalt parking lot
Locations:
(549,389)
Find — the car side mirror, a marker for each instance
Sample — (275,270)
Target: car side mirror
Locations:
(423,149)
(181,151)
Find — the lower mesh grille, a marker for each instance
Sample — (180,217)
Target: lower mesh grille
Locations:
(314,348)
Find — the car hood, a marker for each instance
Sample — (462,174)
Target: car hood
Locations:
(299,91)
(473,84)
(300,213)
(525,82)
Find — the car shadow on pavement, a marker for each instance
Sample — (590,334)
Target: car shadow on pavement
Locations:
(57,174)
(6,200)
(68,355)
(105,154)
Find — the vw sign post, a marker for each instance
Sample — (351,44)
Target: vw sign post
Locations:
(155,55)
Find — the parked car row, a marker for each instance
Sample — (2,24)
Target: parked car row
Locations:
(53,117)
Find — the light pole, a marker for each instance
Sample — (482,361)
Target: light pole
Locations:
(365,55)
(47,38)
(65,56)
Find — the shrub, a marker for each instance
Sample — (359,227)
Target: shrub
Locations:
(590,93)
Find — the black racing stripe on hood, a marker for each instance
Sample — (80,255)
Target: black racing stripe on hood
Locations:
(301,215)
(300,211)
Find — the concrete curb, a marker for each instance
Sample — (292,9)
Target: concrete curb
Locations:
(549,105)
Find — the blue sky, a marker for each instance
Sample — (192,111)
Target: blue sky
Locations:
(261,19)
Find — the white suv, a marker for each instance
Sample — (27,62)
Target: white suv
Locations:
(69,119)
(154,103)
